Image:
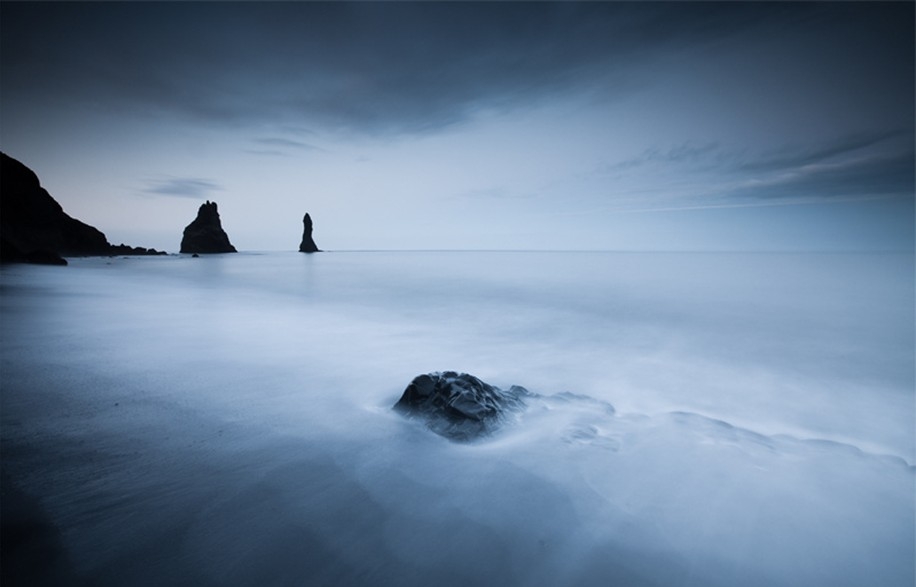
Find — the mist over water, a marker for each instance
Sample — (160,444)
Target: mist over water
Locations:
(737,419)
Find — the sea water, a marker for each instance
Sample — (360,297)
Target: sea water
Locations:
(225,420)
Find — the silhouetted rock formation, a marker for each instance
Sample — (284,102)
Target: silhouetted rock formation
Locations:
(206,234)
(35,229)
(10,253)
(123,249)
(43,257)
(308,245)
(459,406)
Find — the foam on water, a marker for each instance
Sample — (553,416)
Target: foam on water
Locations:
(225,420)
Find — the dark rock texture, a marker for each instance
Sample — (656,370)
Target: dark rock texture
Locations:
(123,249)
(307,245)
(35,229)
(43,257)
(206,234)
(459,406)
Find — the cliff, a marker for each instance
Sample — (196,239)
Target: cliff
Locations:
(34,227)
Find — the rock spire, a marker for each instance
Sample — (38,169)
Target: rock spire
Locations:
(206,234)
(308,244)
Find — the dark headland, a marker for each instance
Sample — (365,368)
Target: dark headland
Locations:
(308,243)
(35,229)
(205,234)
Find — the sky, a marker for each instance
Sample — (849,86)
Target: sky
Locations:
(582,126)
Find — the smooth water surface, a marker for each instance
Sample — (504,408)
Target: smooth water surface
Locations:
(225,420)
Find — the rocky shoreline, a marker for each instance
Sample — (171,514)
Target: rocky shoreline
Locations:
(34,228)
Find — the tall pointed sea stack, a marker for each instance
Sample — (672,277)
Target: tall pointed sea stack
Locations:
(206,234)
(308,245)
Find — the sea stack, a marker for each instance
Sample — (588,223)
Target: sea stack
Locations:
(206,234)
(308,244)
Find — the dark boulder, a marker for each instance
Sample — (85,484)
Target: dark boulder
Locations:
(459,406)
(205,234)
(35,228)
(308,244)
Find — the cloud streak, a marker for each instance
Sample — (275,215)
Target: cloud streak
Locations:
(850,167)
(788,158)
(283,143)
(877,175)
(725,205)
(280,146)
(182,187)
(685,153)
(875,164)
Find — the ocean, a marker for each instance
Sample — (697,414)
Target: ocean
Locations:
(225,420)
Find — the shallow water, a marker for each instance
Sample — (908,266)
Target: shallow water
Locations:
(225,420)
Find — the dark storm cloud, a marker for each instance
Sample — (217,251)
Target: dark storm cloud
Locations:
(186,187)
(368,67)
